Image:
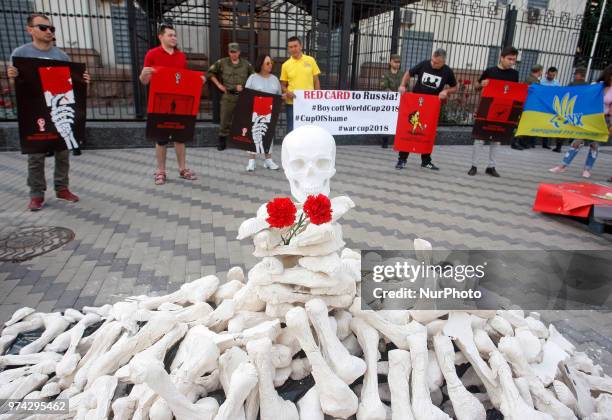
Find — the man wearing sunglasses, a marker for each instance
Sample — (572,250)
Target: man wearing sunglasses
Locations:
(42,32)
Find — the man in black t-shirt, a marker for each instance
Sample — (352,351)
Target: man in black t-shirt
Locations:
(502,71)
(432,78)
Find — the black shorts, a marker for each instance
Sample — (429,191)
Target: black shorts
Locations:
(162,142)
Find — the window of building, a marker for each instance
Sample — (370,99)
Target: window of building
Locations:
(529,58)
(121,37)
(537,4)
(416,47)
(493,57)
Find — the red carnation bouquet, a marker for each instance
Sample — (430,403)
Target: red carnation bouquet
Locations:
(282,214)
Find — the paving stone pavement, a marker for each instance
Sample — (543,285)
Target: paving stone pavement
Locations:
(133,237)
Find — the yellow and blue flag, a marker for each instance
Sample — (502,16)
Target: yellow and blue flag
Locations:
(573,112)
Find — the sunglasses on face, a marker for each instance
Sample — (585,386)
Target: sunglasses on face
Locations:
(44,28)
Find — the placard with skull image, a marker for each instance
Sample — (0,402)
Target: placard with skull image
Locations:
(51,104)
(309,161)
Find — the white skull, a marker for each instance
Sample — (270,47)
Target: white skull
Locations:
(309,160)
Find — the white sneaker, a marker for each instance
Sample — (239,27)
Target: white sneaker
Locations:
(557,169)
(251,165)
(586,173)
(269,164)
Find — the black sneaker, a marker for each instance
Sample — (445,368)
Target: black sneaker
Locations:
(492,172)
(557,149)
(545,147)
(401,164)
(517,147)
(472,171)
(430,166)
(221,144)
(76,152)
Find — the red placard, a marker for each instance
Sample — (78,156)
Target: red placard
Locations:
(499,110)
(174,100)
(571,199)
(417,122)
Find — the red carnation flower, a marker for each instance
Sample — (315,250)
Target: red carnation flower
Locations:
(318,209)
(281,212)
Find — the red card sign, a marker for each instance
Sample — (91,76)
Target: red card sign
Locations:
(175,91)
(499,110)
(417,123)
(571,199)
(174,100)
(262,105)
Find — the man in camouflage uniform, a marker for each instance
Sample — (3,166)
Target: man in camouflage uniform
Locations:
(229,74)
(390,82)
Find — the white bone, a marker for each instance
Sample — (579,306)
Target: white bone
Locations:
(278,310)
(512,404)
(543,399)
(271,404)
(531,345)
(459,329)
(336,397)
(347,367)
(123,408)
(227,290)
(343,322)
(153,374)
(502,326)
(54,324)
(120,353)
(28,359)
(71,358)
(399,372)
(243,380)
(105,337)
(18,315)
(552,355)
(422,406)
(465,405)
(30,323)
(309,406)
(21,387)
(196,291)
(370,405)
(561,341)
(157,351)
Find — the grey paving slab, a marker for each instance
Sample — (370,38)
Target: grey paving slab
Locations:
(133,237)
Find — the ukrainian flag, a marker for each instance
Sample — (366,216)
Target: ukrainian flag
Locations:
(573,112)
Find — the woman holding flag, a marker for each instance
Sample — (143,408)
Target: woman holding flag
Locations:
(576,145)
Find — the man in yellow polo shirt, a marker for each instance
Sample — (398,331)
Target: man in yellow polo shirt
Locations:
(299,72)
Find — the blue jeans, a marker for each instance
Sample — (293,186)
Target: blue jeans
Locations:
(289,114)
(575,148)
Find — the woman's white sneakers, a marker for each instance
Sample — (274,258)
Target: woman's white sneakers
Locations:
(268,164)
(251,165)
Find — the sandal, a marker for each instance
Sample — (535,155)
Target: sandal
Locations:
(160,178)
(187,174)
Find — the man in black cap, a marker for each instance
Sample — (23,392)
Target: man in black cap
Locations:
(233,73)
(391,81)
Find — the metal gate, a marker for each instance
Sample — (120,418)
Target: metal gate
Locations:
(351,41)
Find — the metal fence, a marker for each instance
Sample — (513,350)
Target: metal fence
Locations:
(351,40)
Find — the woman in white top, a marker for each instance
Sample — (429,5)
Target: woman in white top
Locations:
(264,81)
